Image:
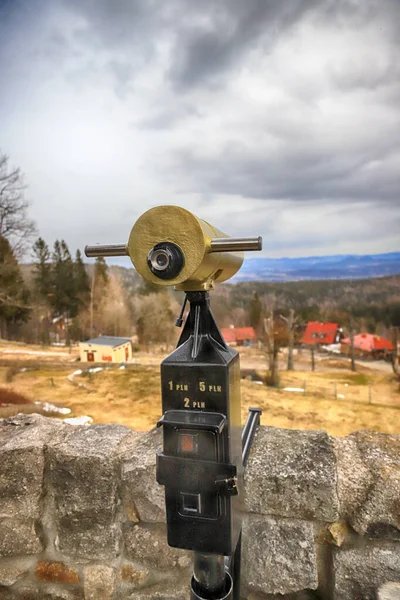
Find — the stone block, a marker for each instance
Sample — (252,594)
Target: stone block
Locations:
(369,482)
(133,575)
(360,572)
(292,474)
(163,591)
(150,547)
(99,582)
(56,572)
(77,538)
(389,591)
(83,481)
(279,555)
(14,569)
(50,592)
(22,441)
(142,496)
(19,537)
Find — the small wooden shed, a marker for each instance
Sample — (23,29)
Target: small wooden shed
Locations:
(106,348)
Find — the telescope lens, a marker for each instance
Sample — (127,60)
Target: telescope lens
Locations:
(160,260)
(165,260)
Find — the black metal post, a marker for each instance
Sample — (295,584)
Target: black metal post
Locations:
(249,430)
(216,577)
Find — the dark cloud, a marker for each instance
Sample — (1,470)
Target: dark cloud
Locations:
(116,23)
(313,174)
(232,29)
(208,38)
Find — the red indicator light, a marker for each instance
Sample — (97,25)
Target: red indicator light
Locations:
(187,443)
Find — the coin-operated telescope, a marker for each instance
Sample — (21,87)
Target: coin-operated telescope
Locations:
(204,447)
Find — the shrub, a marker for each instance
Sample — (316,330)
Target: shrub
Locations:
(10,397)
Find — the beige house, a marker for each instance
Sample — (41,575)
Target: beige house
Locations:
(106,348)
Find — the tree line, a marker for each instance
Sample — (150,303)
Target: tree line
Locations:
(90,300)
(55,285)
(368,305)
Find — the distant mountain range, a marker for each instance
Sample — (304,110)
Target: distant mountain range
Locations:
(345,266)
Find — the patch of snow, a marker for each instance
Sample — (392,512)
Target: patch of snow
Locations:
(293,389)
(334,348)
(48,407)
(79,420)
(93,370)
(340,396)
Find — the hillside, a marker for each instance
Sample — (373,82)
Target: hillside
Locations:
(375,300)
(344,266)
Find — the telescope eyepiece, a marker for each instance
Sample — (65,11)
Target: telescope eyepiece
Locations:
(160,260)
(165,260)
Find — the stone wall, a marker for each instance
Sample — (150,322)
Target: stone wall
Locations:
(82,517)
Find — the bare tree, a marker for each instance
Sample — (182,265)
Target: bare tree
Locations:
(155,319)
(395,355)
(352,349)
(290,323)
(353,325)
(272,350)
(15,225)
(270,339)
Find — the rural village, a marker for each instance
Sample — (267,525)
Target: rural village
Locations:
(88,342)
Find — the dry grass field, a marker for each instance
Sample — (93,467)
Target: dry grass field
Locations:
(335,399)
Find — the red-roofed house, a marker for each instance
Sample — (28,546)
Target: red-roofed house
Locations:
(321,333)
(239,336)
(367,344)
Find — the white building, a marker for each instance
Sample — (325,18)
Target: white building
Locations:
(106,348)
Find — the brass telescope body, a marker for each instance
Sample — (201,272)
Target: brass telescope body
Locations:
(209,255)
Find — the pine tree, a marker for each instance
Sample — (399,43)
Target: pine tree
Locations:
(58,294)
(42,269)
(42,277)
(68,274)
(99,283)
(82,283)
(13,293)
(63,284)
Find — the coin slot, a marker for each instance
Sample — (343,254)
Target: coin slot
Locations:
(191,503)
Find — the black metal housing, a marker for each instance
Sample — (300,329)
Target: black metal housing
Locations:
(201,463)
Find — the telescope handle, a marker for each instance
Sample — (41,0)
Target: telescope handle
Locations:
(217,245)
(231,244)
(106,250)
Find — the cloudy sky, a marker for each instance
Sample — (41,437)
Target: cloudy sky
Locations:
(266,117)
